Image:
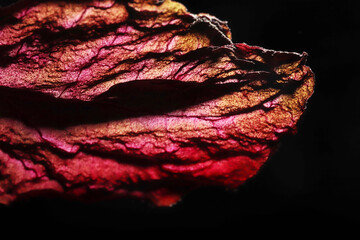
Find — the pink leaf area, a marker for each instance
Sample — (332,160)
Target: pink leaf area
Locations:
(139,98)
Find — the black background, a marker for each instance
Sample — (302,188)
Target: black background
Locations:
(311,183)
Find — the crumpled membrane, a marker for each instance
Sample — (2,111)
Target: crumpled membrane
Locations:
(136,98)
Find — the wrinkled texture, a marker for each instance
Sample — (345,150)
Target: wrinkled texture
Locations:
(104,99)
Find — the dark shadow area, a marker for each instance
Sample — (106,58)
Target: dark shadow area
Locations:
(126,100)
(133,99)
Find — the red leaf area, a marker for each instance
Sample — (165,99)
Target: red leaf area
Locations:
(140,98)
